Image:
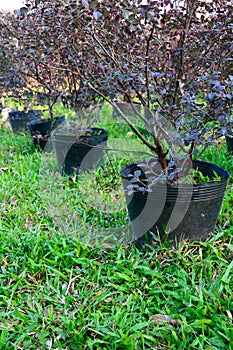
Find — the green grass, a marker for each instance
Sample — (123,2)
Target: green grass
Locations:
(56,292)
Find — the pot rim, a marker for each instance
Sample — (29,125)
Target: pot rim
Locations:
(198,189)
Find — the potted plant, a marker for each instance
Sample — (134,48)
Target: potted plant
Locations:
(19,119)
(13,117)
(41,129)
(171,56)
(12,85)
(78,145)
(35,64)
(24,68)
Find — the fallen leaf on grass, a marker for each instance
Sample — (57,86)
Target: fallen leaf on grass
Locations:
(160,319)
(3,169)
(7,326)
(5,263)
(229,314)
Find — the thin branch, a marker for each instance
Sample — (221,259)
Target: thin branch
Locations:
(146,64)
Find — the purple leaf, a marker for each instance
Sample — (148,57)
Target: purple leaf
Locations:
(97,15)
(137,173)
(85,3)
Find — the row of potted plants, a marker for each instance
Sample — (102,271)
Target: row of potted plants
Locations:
(152,205)
(41,128)
(172,59)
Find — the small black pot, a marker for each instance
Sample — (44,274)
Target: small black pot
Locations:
(176,213)
(40,131)
(18,119)
(86,151)
(229,141)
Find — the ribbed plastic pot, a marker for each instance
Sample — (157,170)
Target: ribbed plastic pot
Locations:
(86,151)
(191,210)
(18,119)
(229,141)
(40,131)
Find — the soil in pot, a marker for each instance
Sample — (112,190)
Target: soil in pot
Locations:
(17,120)
(84,153)
(40,131)
(171,213)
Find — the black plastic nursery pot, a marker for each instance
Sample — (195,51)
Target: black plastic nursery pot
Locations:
(84,153)
(40,131)
(18,119)
(186,212)
(229,141)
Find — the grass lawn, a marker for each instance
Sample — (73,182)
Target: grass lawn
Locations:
(58,292)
